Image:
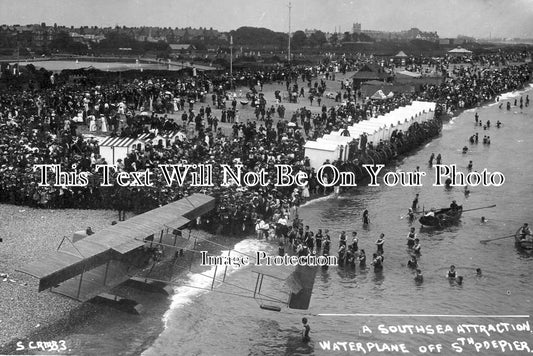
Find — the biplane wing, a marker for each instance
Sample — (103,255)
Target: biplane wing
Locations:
(100,262)
(299,281)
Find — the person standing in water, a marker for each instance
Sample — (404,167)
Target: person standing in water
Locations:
(366,219)
(377,262)
(452,273)
(380,242)
(416,247)
(414,206)
(411,238)
(362,259)
(431,159)
(305,331)
(419,278)
(411,215)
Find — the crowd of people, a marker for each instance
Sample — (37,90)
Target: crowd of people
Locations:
(42,126)
(296,238)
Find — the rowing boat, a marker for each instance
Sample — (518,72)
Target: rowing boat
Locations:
(526,243)
(442,217)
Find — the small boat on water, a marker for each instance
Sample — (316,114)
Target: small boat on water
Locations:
(442,217)
(525,243)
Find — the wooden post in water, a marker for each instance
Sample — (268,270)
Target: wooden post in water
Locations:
(214,276)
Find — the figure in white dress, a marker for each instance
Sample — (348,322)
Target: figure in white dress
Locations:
(92,123)
(104,123)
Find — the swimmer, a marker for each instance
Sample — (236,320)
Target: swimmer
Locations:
(419,278)
(478,272)
(362,259)
(377,262)
(414,205)
(366,219)
(354,245)
(412,263)
(483,220)
(380,242)
(452,273)
(470,165)
(498,124)
(306,330)
(465,149)
(342,239)
(411,214)
(417,248)
(411,237)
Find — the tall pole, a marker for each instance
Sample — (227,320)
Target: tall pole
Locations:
(289,33)
(231,63)
(18,59)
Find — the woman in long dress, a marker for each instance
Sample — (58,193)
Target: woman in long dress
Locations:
(92,123)
(305,193)
(104,123)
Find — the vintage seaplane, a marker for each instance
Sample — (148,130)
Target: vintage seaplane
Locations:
(145,251)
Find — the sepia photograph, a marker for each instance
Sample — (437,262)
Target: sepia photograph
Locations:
(286,177)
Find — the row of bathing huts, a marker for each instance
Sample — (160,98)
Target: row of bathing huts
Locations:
(377,140)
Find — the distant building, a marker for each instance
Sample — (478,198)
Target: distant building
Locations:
(181,48)
(370,72)
(86,39)
(411,34)
(460,52)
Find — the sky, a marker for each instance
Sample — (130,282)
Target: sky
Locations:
(477,18)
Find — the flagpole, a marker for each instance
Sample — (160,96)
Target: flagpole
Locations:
(18,58)
(289,57)
(231,62)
